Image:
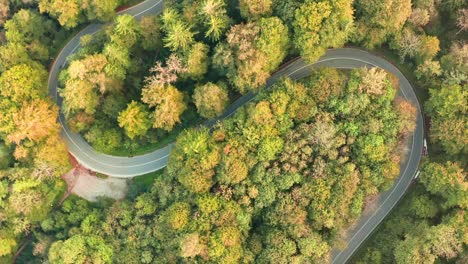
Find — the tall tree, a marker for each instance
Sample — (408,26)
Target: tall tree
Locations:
(447,107)
(178,34)
(126,31)
(135,120)
(447,180)
(4,11)
(197,61)
(376,21)
(168,103)
(87,81)
(321,25)
(254,9)
(252,51)
(214,18)
(151,33)
(71,13)
(34,121)
(24,82)
(211,99)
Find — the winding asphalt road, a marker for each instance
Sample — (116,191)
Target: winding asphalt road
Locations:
(128,167)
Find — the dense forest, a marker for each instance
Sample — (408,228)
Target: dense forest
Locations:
(277,182)
(431,224)
(274,183)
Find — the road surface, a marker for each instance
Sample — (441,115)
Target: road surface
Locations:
(128,167)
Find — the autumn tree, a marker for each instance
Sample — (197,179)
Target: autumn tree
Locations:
(34,121)
(447,107)
(373,81)
(51,158)
(252,51)
(428,70)
(71,13)
(24,82)
(254,9)
(407,42)
(211,99)
(419,17)
(80,249)
(321,25)
(462,20)
(447,180)
(168,104)
(168,74)
(4,11)
(408,114)
(197,61)
(194,174)
(86,81)
(455,63)
(135,120)
(428,49)
(376,21)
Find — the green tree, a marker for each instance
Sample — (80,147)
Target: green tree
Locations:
(118,58)
(214,18)
(178,34)
(447,107)
(101,10)
(150,33)
(321,25)
(447,180)
(376,21)
(5,156)
(32,31)
(12,54)
(24,82)
(27,26)
(135,120)
(126,31)
(197,61)
(184,164)
(81,249)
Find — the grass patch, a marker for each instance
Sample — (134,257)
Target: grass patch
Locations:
(101,176)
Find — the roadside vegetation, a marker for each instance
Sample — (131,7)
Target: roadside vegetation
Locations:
(430,223)
(277,182)
(249,190)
